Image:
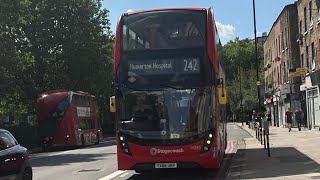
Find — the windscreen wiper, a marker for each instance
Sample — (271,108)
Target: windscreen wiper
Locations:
(172,87)
(125,86)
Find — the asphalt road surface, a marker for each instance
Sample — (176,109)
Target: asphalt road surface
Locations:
(99,163)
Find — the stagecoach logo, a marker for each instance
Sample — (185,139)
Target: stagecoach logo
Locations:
(132,79)
(154,151)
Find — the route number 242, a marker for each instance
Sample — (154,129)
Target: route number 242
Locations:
(191,65)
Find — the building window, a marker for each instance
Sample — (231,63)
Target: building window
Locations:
(287,36)
(285,72)
(278,75)
(300,27)
(310,11)
(307,56)
(282,41)
(277,47)
(318,13)
(301,61)
(305,19)
(279,44)
(312,53)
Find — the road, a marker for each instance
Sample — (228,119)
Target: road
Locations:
(99,162)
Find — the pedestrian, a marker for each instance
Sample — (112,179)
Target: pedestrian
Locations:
(289,119)
(299,117)
(264,119)
(269,119)
(254,116)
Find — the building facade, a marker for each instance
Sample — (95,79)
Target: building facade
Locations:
(281,55)
(309,41)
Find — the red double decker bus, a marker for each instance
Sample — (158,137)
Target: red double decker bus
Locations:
(169,90)
(68,118)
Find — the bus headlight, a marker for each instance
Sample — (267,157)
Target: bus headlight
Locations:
(123,144)
(207,143)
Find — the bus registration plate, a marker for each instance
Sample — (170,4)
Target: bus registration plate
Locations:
(165,165)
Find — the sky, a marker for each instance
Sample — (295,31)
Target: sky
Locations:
(234,18)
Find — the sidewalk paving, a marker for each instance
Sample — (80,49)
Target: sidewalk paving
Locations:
(294,155)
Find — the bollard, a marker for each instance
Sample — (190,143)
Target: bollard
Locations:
(268,146)
(264,139)
(260,129)
(256,133)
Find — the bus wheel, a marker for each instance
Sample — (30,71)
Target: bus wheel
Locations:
(98,139)
(140,171)
(82,140)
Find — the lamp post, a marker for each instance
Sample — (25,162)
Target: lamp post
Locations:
(241,111)
(256,53)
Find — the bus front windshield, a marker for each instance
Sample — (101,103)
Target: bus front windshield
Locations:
(164,30)
(165,114)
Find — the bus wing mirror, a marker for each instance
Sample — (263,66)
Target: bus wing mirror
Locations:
(222,96)
(220,82)
(113,104)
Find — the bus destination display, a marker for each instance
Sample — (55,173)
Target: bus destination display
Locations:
(164,66)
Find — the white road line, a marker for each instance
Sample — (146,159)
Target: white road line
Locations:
(231,148)
(228,147)
(113,175)
(123,175)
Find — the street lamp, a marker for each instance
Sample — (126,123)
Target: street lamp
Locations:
(256,53)
(241,96)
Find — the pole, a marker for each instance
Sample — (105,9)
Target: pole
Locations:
(261,134)
(256,52)
(264,139)
(268,146)
(241,116)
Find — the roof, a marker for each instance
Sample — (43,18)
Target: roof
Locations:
(278,18)
(165,9)
(3,130)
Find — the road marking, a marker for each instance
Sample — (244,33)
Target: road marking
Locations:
(228,147)
(113,175)
(231,148)
(123,175)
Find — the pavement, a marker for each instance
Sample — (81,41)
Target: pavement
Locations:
(293,155)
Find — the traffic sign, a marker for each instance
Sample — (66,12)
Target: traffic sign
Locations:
(258,83)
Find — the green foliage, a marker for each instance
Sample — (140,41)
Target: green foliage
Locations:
(240,64)
(60,44)
(25,132)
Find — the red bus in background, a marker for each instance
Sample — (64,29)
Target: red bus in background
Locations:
(170,100)
(68,118)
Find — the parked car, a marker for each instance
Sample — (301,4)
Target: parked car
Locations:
(14,158)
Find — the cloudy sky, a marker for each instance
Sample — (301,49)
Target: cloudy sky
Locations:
(234,18)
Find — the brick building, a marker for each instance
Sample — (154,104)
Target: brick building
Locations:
(281,55)
(309,41)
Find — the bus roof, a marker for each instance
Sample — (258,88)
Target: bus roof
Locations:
(166,9)
(63,91)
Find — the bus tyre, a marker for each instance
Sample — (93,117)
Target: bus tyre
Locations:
(82,140)
(140,171)
(27,174)
(98,139)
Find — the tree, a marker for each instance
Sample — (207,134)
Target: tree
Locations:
(61,44)
(13,62)
(239,62)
